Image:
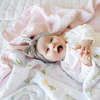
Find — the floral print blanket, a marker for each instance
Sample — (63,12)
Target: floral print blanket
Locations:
(24,78)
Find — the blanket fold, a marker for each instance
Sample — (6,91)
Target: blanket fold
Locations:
(55,20)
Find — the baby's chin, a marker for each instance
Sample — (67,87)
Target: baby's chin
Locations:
(59,59)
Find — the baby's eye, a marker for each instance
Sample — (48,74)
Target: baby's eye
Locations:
(47,49)
(51,39)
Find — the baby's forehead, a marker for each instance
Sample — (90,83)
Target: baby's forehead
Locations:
(43,41)
(45,38)
(48,36)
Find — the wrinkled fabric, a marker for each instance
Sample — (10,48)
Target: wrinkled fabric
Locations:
(37,19)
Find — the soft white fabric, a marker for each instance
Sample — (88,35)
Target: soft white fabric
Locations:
(39,82)
(71,64)
(47,81)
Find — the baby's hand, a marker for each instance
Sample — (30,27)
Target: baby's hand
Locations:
(84,48)
(86,59)
(84,45)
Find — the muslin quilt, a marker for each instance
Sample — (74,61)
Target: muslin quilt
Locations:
(24,78)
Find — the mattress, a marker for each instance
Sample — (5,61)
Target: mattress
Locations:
(10,10)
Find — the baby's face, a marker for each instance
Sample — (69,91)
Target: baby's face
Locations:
(52,48)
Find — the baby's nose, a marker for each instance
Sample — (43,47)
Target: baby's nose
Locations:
(53,45)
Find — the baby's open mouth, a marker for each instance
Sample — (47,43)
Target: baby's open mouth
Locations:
(60,48)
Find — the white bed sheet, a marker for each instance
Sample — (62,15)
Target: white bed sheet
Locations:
(10,10)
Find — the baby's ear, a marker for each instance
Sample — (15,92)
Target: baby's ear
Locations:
(35,57)
(32,37)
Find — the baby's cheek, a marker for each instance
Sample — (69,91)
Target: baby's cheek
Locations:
(60,39)
(51,56)
(57,57)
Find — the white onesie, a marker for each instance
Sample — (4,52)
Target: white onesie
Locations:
(71,63)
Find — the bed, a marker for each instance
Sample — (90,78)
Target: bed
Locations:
(33,79)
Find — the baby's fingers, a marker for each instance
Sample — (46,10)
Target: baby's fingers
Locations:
(82,50)
(77,46)
(89,58)
(87,49)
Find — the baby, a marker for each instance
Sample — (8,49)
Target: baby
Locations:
(51,48)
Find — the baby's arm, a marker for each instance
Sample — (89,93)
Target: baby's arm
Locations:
(86,61)
(82,35)
(81,32)
(87,38)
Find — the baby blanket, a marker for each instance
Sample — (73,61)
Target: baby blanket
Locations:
(24,78)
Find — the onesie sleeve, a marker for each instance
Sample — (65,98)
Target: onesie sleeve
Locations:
(79,33)
(87,32)
(89,71)
(85,71)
